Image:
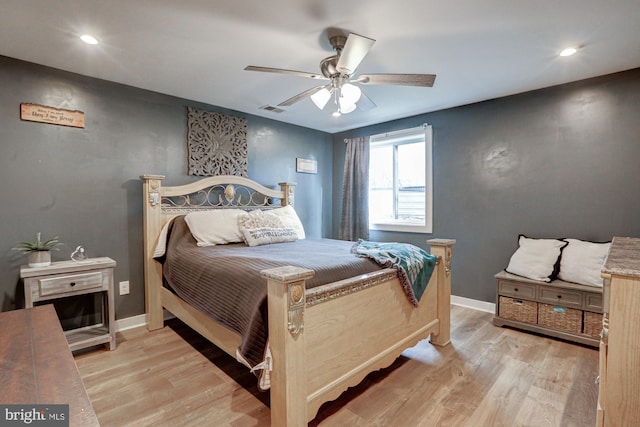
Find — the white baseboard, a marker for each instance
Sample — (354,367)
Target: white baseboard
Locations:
(131,322)
(475,304)
(137,321)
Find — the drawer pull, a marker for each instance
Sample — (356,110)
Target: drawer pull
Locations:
(72,284)
(515,289)
(559,296)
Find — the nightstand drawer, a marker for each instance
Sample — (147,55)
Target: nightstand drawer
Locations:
(69,283)
(518,290)
(560,297)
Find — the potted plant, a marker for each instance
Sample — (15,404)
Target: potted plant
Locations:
(39,252)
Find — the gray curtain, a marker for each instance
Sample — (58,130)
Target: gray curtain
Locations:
(354,224)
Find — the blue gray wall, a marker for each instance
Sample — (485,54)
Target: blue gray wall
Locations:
(83,184)
(557,162)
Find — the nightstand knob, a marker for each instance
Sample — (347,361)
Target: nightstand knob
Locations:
(72,284)
(559,296)
(516,289)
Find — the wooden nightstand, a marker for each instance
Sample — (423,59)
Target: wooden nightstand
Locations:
(69,278)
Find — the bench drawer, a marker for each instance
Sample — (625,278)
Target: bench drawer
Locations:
(593,302)
(561,318)
(517,290)
(517,309)
(592,324)
(561,297)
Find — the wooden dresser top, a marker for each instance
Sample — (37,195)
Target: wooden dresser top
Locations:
(37,367)
(624,257)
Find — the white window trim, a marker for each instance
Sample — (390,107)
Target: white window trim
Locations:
(428,146)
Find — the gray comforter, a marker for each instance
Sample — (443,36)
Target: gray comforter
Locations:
(224,281)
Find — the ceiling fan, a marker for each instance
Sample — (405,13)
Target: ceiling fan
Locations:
(339,71)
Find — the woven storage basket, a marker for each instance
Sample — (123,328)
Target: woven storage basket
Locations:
(517,309)
(592,324)
(564,319)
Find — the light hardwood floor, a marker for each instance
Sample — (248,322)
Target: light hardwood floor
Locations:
(488,376)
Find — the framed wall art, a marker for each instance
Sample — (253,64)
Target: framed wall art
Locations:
(217,144)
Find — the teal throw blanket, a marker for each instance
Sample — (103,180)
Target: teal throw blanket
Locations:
(414,264)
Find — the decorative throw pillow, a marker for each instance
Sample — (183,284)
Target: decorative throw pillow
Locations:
(536,259)
(582,262)
(267,236)
(259,219)
(290,219)
(216,226)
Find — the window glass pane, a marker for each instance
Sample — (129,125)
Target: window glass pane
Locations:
(400,181)
(381,183)
(411,182)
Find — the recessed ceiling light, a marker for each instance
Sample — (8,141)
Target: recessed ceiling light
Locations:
(568,51)
(88,39)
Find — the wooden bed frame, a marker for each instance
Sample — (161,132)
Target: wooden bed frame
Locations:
(322,340)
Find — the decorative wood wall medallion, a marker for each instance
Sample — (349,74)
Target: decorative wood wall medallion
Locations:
(217,144)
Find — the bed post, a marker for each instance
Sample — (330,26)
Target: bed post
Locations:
(442,249)
(288,188)
(286,301)
(152,270)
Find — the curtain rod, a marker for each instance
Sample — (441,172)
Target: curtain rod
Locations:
(392,133)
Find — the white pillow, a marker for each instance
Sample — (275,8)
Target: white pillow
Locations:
(582,262)
(536,259)
(289,219)
(216,226)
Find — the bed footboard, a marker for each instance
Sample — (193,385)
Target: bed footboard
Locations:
(312,333)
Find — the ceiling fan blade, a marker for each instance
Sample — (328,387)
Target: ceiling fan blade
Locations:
(300,96)
(365,103)
(283,71)
(354,51)
(426,80)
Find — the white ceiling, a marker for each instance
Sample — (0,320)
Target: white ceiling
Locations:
(197,49)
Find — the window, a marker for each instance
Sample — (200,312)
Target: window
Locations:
(400,181)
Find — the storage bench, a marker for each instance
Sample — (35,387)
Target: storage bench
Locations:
(559,309)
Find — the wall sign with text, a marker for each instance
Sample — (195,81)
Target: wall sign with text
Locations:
(51,115)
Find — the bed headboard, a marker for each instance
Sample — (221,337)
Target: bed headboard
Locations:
(161,204)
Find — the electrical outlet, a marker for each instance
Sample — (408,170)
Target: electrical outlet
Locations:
(124,288)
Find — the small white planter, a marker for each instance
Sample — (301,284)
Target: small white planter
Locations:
(39,258)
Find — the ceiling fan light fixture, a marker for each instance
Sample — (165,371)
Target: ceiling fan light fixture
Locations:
(346,108)
(321,98)
(350,94)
